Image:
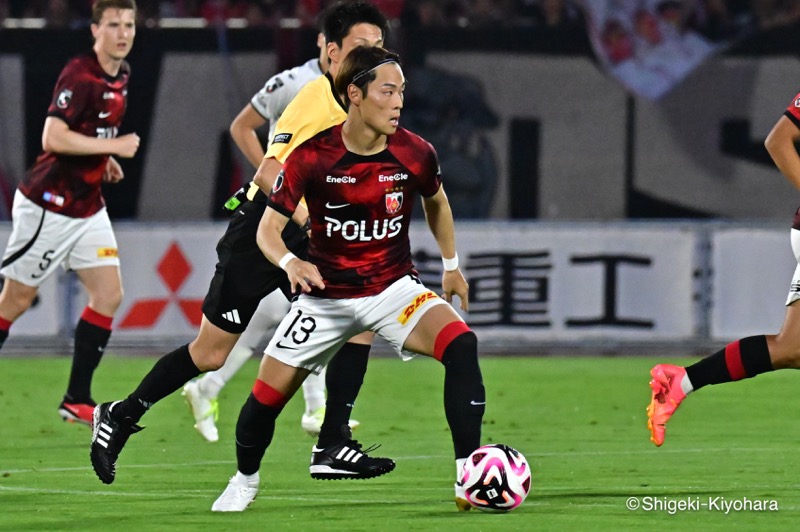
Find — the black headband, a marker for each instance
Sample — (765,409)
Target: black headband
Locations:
(367,71)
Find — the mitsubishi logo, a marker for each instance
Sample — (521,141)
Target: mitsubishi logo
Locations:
(174,270)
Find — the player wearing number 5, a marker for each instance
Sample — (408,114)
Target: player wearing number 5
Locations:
(59,215)
(359,180)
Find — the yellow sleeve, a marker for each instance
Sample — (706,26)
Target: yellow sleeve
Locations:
(306,115)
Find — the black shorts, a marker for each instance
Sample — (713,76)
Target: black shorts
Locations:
(243,275)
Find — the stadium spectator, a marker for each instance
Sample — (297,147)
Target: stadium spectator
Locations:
(617,42)
(179,8)
(751,356)
(244,276)
(775,13)
(715,19)
(221,10)
(26,8)
(483,13)
(59,14)
(59,215)
(423,13)
(549,13)
(262,14)
(347,288)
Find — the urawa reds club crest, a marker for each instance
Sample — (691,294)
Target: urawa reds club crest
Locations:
(394,201)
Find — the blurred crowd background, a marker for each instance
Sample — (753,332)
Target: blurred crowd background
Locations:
(500,127)
(715,19)
(74,13)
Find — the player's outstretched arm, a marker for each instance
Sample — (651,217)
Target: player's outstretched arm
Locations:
(439,216)
(57,137)
(302,274)
(780,144)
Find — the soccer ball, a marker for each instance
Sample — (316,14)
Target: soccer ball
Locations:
(496,478)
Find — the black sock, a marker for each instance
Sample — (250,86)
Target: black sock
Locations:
(90,342)
(464,394)
(5,325)
(343,381)
(741,359)
(172,371)
(254,430)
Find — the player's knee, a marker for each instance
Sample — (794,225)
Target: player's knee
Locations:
(786,357)
(457,346)
(106,302)
(18,298)
(465,349)
(113,301)
(119,293)
(214,359)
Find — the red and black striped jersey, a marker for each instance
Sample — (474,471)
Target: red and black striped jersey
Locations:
(360,207)
(92,103)
(793,111)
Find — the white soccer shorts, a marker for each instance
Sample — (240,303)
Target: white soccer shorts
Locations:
(315,328)
(794,288)
(41,240)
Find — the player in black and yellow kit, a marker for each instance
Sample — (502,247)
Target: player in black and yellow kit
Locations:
(244,276)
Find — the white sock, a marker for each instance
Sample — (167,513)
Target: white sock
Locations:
(212,382)
(251,480)
(314,392)
(460,468)
(686,384)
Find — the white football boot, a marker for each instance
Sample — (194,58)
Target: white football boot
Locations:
(204,409)
(239,493)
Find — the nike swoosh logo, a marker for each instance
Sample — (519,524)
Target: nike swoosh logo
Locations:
(475,403)
(329,206)
(286,347)
(104,114)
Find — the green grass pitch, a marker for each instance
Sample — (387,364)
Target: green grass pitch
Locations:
(580,421)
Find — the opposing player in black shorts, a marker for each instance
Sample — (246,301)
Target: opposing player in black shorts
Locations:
(242,278)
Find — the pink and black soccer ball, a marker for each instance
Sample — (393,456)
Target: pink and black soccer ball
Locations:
(496,478)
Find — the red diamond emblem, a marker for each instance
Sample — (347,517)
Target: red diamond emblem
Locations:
(173,269)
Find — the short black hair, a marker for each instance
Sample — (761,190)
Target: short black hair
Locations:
(358,68)
(341,17)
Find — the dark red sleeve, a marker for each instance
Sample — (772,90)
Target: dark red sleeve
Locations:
(793,111)
(70,96)
(290,183)
(431,173)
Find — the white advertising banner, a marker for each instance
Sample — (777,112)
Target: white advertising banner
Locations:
(572,282)
(529,282)
(752,272)
(165,272)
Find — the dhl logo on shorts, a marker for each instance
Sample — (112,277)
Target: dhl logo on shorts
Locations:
(412,308)
(107,253)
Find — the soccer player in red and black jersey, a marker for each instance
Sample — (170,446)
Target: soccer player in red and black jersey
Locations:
(59,215)
(359,180)
(243,276)
(746,357)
